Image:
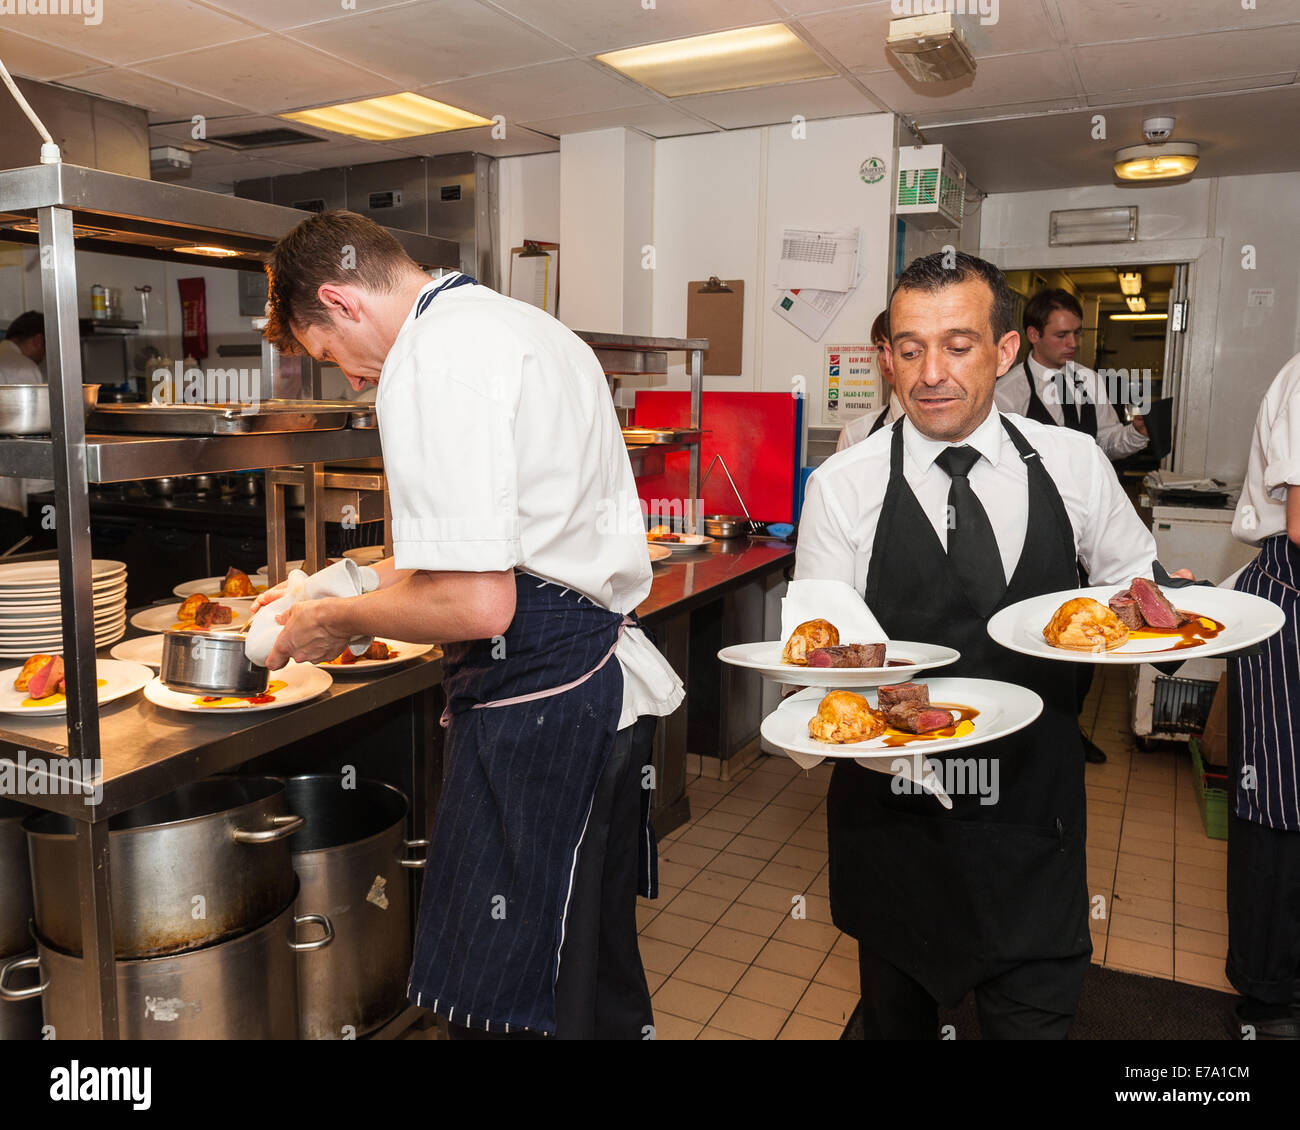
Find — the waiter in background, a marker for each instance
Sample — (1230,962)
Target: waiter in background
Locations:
(855,431)
(519,544)
(22,352)
(990,897)
(1264,732)
(1048,386)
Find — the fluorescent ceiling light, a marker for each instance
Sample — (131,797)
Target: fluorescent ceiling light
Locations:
(1138,317)
(394,115)
(1136,304)
(208,249)
(1070,227)
(1157,162)
(727,60)
(1130,282)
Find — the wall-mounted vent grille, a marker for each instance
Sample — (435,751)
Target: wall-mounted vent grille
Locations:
(264,139)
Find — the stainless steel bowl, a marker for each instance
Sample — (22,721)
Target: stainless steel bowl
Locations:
(725,525)
(210,663)
(25,409)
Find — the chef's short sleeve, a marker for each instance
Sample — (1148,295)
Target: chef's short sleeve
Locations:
(1282,451)
(449,456)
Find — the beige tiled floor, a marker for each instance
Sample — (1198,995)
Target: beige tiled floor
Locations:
(740,945)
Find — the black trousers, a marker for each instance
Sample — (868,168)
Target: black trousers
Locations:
(1263,911)
(601,991)
(895,1007)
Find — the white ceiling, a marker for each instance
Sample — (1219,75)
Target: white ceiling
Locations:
(1022,122)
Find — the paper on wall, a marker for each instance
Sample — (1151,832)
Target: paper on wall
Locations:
(811,311)
(818,260)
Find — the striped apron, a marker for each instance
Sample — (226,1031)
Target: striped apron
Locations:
(531,719)
(1265,727)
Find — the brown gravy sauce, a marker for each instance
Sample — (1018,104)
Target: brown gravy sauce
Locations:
(1192,634)
(894,738)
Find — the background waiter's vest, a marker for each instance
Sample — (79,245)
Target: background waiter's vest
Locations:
(1080,417)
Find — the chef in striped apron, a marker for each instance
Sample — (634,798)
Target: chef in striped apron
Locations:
(519,545)
(1264,732)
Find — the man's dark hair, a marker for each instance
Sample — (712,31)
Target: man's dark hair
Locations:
(936,272)
(26,325)
(1038,310)
(880,327)
(332,247)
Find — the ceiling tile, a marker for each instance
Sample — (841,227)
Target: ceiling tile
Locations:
(162,99)
(36,59)
(1236,54)
(805,7)
(1001,80)
(1130,19)
(551,90)
(138,29)
(431,41)
(657,121)
(271,75)
(277,14)
(592,26)
(1153,98)
(771,105)
(517,142)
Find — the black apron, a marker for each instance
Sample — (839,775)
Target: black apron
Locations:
(1037,410)
(881,420)
(956,897)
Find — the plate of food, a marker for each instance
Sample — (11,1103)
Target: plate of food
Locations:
(195,613)
(900,719)
(814,656)
(38,687)
(381,654)
(676,542)
(235,583)
(1135,623)
(292,684)
(659,552)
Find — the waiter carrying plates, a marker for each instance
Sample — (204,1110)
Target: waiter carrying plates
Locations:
(518,544)
(990,897)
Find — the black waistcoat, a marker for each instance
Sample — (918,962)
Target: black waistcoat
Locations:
(956,897)
(1037,410)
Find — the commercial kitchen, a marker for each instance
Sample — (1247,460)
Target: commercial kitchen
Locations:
(718,199)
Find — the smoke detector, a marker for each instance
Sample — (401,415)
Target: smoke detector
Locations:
(1158,129)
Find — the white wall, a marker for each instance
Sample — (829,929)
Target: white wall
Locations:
(1234,352)
(528,202)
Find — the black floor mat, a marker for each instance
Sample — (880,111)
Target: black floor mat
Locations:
(1117,1006)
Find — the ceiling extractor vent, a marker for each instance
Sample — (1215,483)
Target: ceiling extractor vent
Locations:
(263,139)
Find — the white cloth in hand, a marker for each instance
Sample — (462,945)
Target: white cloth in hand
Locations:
(343,578)
(835,601)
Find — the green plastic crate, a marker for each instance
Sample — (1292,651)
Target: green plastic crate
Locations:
(1213,802)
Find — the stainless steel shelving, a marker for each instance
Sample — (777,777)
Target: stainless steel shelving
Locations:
(127,216)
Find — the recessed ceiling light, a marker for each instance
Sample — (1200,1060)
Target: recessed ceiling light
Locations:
(393,115)
(1157,162)
(726,60)
(1138,317)
(1130,282)
(1136,304)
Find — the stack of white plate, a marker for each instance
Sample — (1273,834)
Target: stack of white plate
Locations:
(30,617)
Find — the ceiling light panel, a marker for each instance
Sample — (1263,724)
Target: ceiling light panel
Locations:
(728,60)
(392,116)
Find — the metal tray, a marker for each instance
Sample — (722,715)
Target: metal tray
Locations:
(268,416)
(640,436)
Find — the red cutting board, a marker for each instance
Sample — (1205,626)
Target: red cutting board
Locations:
(756,433)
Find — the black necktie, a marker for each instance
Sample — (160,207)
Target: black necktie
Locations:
(972,548)
(1070,402)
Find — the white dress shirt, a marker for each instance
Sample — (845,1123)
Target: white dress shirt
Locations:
(1274,464)
(503,450)
(837,526)
(855,431)
(1012,395)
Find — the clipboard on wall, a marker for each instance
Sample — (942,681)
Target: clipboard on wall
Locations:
(716,309)
(535,274)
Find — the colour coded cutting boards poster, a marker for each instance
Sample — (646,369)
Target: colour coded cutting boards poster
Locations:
(852,383)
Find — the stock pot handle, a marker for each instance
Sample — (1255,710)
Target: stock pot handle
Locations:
(414,864)
(14,966)
(283,826)
(319,943)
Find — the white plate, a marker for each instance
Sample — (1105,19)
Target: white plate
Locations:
(765,658)
(21,597)
(1247,619)
(41,574)
(1003,709)
(161,617)
(20,625)
(303,681)
(405,653)
(120,679)
(142,649)
(688,543)
(211,586)
(659,552)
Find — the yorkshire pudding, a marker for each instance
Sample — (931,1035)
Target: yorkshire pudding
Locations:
(809,636)
(1084,624)
(845,717)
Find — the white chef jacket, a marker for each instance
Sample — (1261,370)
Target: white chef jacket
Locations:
(837,526)
(855,431)
(16,368)
(1012,395)
(503,450)
(1274,460)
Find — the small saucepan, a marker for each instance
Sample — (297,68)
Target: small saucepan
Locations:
(725,525)
(210,663)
